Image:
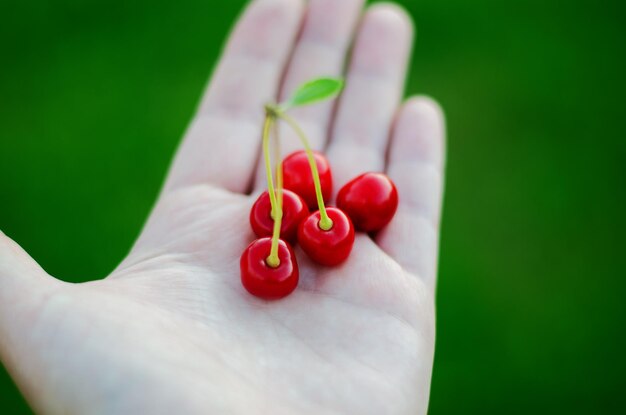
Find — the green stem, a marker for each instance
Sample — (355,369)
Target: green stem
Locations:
(272,260)
(326,223)
(279,165)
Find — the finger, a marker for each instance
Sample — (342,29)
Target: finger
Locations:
(24,287)
(416,160)
(321,51)
(374,88)
(221,145)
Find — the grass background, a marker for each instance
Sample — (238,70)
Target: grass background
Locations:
(94,97)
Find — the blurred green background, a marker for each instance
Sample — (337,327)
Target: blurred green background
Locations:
(94,97)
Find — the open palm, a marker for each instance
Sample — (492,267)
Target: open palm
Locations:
(171,330)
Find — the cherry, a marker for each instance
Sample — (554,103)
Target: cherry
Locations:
(263,280)
(327,247)
(294,212)
(298,178)
(268,265)
(370,200)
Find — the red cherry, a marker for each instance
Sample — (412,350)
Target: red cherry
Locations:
(327,247)
(294,212)
(370,200)
(260,279)
(297,176)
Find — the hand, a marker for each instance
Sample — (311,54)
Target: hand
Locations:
(171,330)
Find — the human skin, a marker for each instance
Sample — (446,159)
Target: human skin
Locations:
(172,330)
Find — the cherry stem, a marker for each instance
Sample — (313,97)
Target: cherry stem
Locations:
(277,212)
(326,223)
(279,165)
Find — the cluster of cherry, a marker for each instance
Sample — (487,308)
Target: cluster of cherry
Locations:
(296,212)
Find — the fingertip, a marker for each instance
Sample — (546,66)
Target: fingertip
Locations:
(419,131)
(391,17)
(263,21)
(384,41)
(331,22)
(425,104)
(276,8)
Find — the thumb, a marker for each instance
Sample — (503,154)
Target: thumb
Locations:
(24,286)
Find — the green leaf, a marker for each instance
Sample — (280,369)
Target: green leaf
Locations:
(314,91)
